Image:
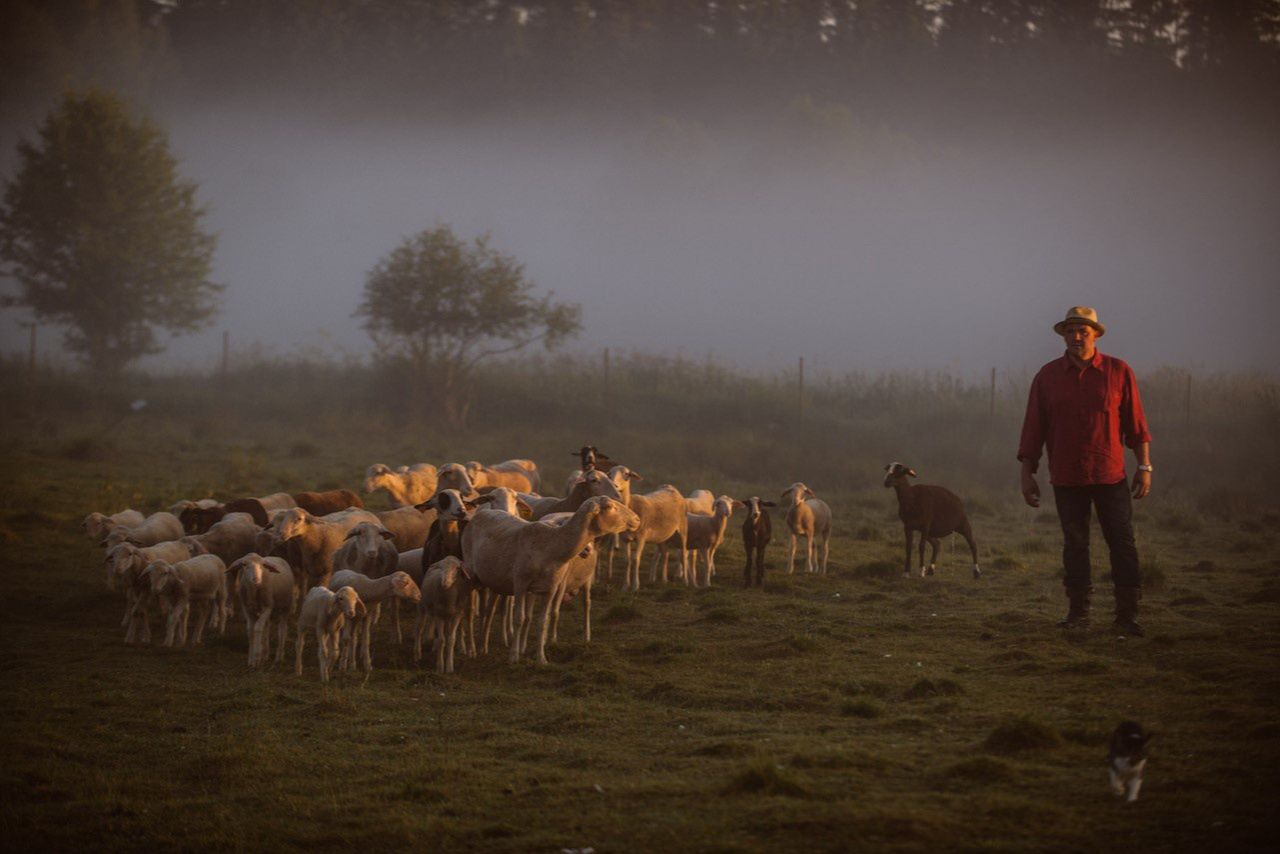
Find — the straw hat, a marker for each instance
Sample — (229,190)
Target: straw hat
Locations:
(1080,314)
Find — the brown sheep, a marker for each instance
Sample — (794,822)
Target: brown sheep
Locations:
(934,511)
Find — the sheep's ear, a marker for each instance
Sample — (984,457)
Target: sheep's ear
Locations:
(387,535)
(429,504)
(352,533)
(768,504)
(633,475)
(523,508)
(911,472)
(737,505)
(361,610)
(809,492)
(269,568)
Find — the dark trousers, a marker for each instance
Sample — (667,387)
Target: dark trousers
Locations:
(1114,504)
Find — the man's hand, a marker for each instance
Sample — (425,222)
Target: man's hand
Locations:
(1030,489)
(1141,484)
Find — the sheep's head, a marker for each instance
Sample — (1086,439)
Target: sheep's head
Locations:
(162,576)
(347,602)
(454,476)
(896,471)
(506,500)
(248,569)
(755,507)
(404,587)
(369,537)
(449,506)
(291,523)
(377,474)
(796,494)
(194,545)
(724,506)
(611,517)
(599,483)
(95,525)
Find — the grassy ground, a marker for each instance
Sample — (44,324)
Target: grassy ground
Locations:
(858,710)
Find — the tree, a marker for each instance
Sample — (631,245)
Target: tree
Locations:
(103,236)
(445,305)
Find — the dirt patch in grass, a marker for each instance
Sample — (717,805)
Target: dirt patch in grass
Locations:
(980,770)
(875,569)
(861,709)
(924,689)
(766,778)
(1021,735)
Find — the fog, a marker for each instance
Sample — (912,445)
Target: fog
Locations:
(750,243)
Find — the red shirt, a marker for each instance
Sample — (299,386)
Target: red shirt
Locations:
(1085,418)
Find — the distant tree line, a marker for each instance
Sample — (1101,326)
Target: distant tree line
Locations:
(469,54)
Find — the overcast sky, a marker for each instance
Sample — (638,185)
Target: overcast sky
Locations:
(893,254)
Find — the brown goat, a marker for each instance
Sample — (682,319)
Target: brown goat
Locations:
(757,531)
(934,511)
(324,503)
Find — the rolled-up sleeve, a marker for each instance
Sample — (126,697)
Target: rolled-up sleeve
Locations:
(1033,425)
(1133,421)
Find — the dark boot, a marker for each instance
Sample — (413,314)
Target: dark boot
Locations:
(1127,611)
(1078,611)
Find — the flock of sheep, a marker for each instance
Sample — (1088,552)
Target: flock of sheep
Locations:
(464,540)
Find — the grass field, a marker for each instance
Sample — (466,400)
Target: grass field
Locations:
(861,710)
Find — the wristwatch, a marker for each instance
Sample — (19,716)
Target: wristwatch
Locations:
(1146,468)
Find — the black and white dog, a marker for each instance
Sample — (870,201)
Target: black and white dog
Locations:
(1127,758)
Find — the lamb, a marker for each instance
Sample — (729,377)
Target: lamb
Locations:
(513,557)
(267,592)
(322,503)
(588,485)
(445,536)
(757,531)
(370,550)
(231,538)
(98,525)
(325,612)
(622,478)
(310,541)
(662,514)
(201,581)
(125,566)
(934,511)
(409,526)
(372,592)
(448,598)
(807,516)
(706,534)
(157,528)
(407,485)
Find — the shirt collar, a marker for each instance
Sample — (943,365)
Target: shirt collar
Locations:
(1095,362)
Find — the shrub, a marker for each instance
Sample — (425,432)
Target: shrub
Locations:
(766,778)
(980,770)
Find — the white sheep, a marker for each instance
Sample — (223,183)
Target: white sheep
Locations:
(230,538)
(704,536)
(409,526)
(588,485)
(577,578)
(523,559)
(407,485)
(518,475)
(662,514)
(448,598)
(267,592)
(324,612)
(372,592)
(807,516)
(700,501)
(157,528)
(98,525)
(125,566)
(198,581)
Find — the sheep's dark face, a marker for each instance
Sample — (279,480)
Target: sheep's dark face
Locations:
(896,471)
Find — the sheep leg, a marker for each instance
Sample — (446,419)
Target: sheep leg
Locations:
(454,623)
(184,619)
(760,566)
(301,642)
(586,613)
(508,621)
(924,540)
(546,623)
(966,531)
(171,626)
(207,612)
(366,640)
(933,555)
(472,606)
(791,560)
(322,653)
(282,633)
(826,551)
(557,594)
(437,643)
(395,607)
(419,626)
(490,609)
(130,602)
(513,650)
(906,566)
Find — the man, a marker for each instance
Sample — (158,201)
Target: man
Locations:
(1085,408)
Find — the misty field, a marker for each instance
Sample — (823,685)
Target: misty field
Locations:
(861,710)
